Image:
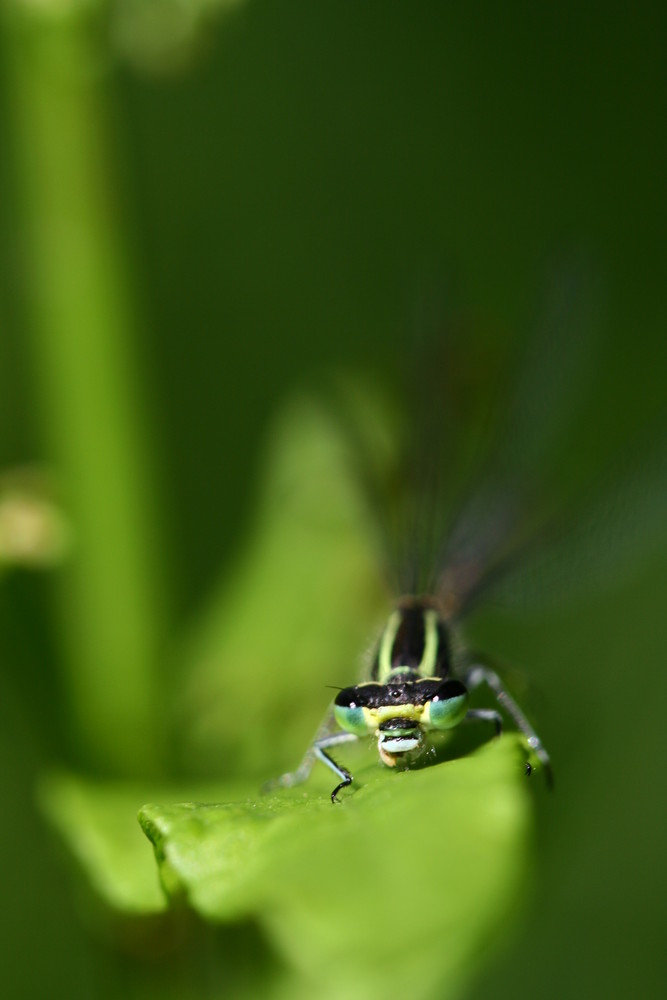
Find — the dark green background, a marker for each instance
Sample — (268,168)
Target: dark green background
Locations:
(282,199)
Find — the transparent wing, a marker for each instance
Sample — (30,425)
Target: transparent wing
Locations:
(410,445)
(519,483)
(617,526)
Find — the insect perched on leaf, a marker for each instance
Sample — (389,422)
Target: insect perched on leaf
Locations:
(412,694)
(454,537)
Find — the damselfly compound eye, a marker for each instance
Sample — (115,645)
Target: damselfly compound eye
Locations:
(449,705)
(353,719)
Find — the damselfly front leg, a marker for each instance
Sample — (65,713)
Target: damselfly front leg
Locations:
(321,746)
(325,738)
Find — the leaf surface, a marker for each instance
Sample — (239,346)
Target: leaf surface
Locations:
(399,887)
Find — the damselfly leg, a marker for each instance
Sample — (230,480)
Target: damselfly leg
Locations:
(480,674)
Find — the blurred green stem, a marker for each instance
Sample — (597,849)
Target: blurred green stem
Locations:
(82,328)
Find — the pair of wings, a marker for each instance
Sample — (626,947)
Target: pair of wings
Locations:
(514,494)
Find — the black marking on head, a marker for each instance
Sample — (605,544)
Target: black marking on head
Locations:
(401,692)
(450,688)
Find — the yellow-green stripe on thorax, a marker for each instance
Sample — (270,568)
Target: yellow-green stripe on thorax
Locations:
(387,667)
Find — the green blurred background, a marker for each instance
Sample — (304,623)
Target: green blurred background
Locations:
(264,186)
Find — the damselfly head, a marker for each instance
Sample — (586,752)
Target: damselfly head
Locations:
(400,711)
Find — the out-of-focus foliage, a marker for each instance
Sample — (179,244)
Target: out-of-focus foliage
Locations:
(33,528)
(296,611)
(165,36)
(97,823)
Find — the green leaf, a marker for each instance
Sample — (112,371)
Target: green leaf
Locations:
(400,887)
(97,821)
